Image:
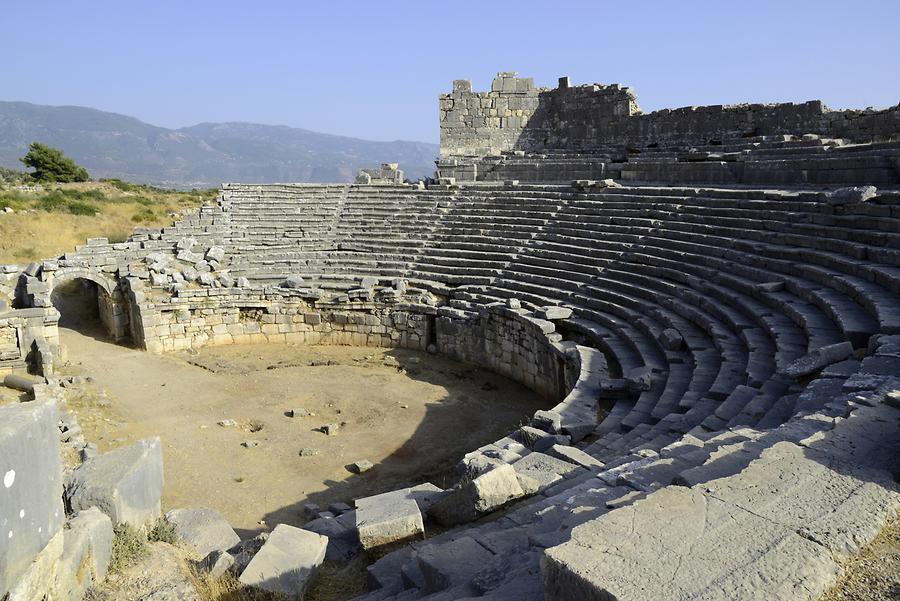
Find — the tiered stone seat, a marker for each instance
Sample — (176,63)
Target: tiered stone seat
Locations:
(751,281)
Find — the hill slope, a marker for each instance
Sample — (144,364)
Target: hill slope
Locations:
(204,155)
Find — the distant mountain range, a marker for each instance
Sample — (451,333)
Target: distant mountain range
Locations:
(204,155)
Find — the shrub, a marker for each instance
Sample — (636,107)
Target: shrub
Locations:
(51,165)
(81,208)
(129,546)
(162,531)
(145,214)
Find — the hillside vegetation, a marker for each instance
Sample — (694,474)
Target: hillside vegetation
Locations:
(203,155)
(41,221)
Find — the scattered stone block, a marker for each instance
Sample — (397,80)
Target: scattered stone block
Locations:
(546,470)
(553,312)
(297,412)
(363,465)
(452,563)
(287,561)
(216,563)
(851,195)
(670,339)
(126,483)
(484,494)
(308,452)
(215,253)
(204,529)
(819,358)
(87,550)
(293,281)
(331,429)
(388,518)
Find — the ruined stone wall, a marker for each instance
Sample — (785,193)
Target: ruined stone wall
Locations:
(510,342)
(261,318)
(515,115)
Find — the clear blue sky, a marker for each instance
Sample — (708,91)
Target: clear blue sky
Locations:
(374,70)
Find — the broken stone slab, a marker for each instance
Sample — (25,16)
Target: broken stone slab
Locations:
(287,561)
(671,339)
(544,469)
(394,516)
(343,542)
(481,495)
(216,563)
(87,550)
(215,253)
(368,282)
(450,564)
(204,529)
(851,195)
(293,281)
(639,379)
(548,421)
(388,520)
(363,465)
(31,509)
(574,455)
(819,358)
(125,483)
(553,312)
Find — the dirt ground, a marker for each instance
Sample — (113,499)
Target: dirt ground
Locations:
(410,414)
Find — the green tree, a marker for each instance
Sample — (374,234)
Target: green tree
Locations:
(51,165)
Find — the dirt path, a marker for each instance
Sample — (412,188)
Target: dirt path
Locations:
(410,414)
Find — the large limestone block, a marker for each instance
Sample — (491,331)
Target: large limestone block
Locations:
(451,564)
(679,544)
(87,550)
(388,518)
(31,509)
(546,470)
(204,529)
(483,494)
(126,483)
(819,358)
(287,561)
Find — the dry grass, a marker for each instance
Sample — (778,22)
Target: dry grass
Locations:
(31,236)
(874,573)
(333,582)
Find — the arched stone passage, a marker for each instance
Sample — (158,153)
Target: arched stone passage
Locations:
(90,303)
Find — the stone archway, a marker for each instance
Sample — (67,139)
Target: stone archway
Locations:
(90,303)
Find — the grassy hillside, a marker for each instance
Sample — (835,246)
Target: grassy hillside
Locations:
(48,221)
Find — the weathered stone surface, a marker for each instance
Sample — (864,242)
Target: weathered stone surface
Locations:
(483,494)
(546,470)
(852,195)
(553,312)
(451,564)
(293,281)
(388,518)
(818,359)
(287,561)
(31,510)
(204,529)
(678,544)
(87,550)
(671,339)
(126,483)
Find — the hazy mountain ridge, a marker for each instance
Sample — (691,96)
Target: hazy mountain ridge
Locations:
(202,155)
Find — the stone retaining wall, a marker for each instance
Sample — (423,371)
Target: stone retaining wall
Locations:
(242,319)
(515,115)
(510,342)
